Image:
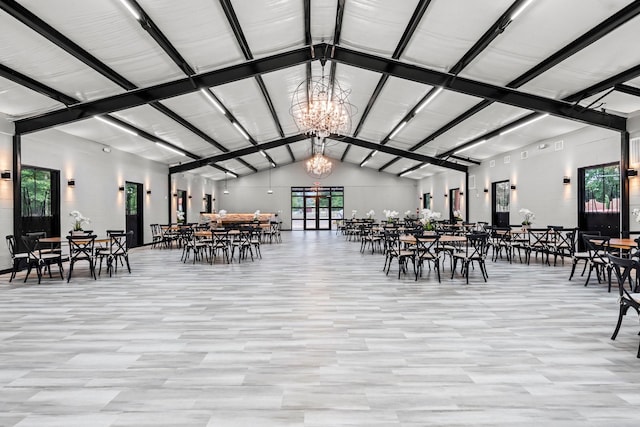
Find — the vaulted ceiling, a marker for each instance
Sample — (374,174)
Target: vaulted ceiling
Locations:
(436,85)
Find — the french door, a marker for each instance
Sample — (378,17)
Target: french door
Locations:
(133,213)
(316,208)
(500,203)
(599,199)
(40,208)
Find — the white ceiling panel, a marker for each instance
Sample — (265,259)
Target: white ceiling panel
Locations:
(245,101)
(281,85)
(17,101)
(449,29)
(271,26)
(515,51)
(616,102)
(490,118)
(48,64)
(608,56)
(209,42)
(323,19)
(446,106)
(364,18)
(195,108)
(108,32)
(396,99)
(156,123)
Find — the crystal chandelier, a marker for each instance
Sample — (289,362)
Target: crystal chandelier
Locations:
(321,108)
(318,166)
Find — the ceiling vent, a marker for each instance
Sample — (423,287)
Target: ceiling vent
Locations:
(559,145)
(507,159)
(524,155)
(492,164)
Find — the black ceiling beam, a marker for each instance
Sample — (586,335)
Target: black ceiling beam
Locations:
(465,159)
(494,31)
(293,158)
(389,163)
(150,27)
(307,22)
(402,153)
(409,30)
(597,32)
(221,169)
(188,125)
(166,90)
(344,153)
(238,153)
(629,90)
(153,138)
(479,89)
(337,30)
(23,15)
(246,164)
(232,18)
(611,82)
(619,78)
(36,86)
(619,18)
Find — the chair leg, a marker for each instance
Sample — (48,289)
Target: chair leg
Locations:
(573,268)
(623,311)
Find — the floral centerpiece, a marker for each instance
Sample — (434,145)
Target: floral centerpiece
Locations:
(78,220)
(353,214)
(370,214)
(527,217)
(180,216)
(428,218)
(222,213)
(390,215)
(457,215)
(256,215)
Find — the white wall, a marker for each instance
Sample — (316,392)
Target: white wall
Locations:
(6,188)
(364,189)
(538,178)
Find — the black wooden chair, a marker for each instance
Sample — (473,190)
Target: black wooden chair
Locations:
(475,252)
(81,248)
(18,259)
(39,259)
(623,268)
(598,249)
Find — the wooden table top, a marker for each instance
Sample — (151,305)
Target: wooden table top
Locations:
(446,238)
(623,243)
(61,239)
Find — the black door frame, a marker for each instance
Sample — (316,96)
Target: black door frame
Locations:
(499,219)
(138,218)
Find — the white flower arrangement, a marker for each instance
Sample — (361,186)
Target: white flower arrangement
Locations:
(256,215)
(527,216)
(428,217)
(457,215)
(390,214)
(353,214)
(180,216)
(370,214)
(636,213)
(407,214)
(78,220)
(222,213)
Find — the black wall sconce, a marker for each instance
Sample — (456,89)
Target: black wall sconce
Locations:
(189,196)
(6,174)
(566,180)
(204,199)
(486,190)
(148,191)
(513,187)
(446,195)
(71,182)
(175,194)
(121,188)
(632,172)
(461,193)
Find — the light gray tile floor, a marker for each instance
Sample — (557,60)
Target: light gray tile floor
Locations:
(314,334)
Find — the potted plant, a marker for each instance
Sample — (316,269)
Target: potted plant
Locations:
(527,218)
(78,221)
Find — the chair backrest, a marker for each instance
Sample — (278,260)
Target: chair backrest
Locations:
(11,244)
(427,245)
(81,247)
(31,243)
(110,232)
(597,246)
(622,268)
(118,243)
(477,245)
